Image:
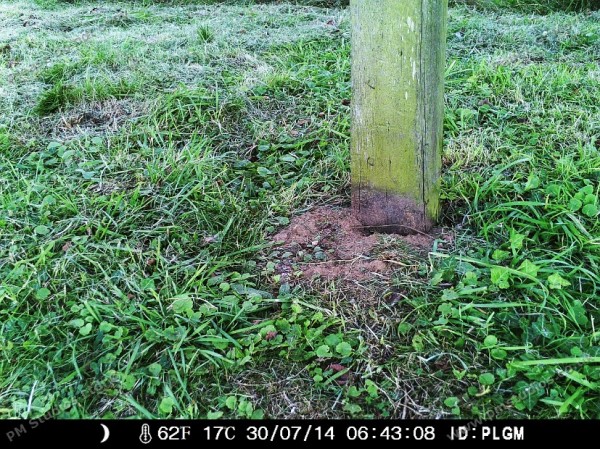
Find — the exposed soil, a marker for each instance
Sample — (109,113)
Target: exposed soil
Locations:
(328,242)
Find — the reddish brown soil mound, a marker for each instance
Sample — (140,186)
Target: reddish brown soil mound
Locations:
(330,243)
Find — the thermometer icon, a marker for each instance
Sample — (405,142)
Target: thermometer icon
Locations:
(145,437)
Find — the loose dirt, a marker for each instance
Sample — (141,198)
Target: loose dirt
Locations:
(328,242)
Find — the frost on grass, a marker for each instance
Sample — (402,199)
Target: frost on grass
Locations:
(158,48)
(94,118)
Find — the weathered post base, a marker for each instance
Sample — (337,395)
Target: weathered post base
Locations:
(389,213)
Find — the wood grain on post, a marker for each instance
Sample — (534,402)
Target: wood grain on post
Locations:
(398,58)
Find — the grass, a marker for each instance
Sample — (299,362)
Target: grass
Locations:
(532,6)
(148,152)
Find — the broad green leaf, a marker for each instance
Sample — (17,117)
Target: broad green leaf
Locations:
(352,408)
(500,255)
(557,282)
(590,199)
(41,230)
(353,392)
(590,210)
(516,240)
(332,340)
(417,342)
(85,330)
(323,351)
(166,406)
(449,294)
(575,204)
(553,189)
(404,328)
(529,268)
(128,381)
(42,293)
(231,402)
(344,349)
(452,401)
(147,284)
(77,322)
(579,313)
(263,171)
(487,379)
(576,352)
(533,182)
(490,341)
(498,353)
(155,369)
(500,277)
(182,305)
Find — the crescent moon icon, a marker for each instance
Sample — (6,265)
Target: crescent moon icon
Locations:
(106,433)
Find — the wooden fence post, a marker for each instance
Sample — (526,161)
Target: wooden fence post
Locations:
(398,58)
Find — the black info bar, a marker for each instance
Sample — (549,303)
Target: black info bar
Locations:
(196,433)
